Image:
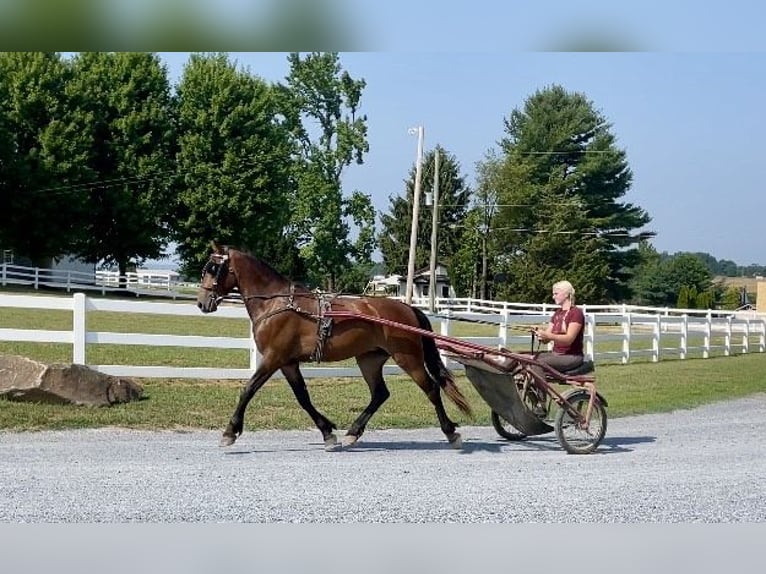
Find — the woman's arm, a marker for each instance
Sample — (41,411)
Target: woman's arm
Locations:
(573,329)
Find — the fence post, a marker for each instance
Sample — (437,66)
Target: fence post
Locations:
(255,356)
(657,329)
(746,337)
(503,329)
(684,335)
(79,327)
(626,338)
(708,329)
(590,337)
(727,337)
(444,329)
(37,277)
(4,273)
(762,338)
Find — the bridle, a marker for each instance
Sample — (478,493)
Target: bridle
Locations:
(218,267)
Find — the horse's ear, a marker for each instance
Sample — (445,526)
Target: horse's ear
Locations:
(215,246)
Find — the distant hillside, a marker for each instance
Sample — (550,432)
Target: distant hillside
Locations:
(749,282)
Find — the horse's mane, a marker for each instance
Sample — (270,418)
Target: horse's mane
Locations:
(266,269)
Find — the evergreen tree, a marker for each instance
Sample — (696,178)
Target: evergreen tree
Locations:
(562,216)
(454,196)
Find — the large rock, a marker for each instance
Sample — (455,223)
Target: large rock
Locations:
(23,379)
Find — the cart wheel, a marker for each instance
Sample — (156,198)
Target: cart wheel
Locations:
(506,429)
(571,433)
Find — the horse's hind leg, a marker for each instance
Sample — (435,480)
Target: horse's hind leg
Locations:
(371,366)
(297,383)
(413,366)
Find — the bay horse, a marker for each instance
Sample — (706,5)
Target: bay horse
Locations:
(291,326)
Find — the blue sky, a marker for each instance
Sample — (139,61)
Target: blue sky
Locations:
(692,124)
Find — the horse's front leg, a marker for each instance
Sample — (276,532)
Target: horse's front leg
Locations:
(236,423)
(294,376)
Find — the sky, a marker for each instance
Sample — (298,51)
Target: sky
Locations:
(692,124)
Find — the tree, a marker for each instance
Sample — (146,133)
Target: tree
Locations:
(684,297)
(121,105)
(321,102)
(687,269)
(234,164)
(454,196)
(469,263)
(659,280)
(563,178)
(647,285)
(730,298)
(40,157)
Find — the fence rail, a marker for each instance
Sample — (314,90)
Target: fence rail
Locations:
(612,334)
(156,284)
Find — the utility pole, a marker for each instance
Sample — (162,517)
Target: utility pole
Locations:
(485,231)
(415,213)
(434,227)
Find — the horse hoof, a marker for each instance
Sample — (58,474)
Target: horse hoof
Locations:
(349,440)
(331,443)
(456,441)
(227,440)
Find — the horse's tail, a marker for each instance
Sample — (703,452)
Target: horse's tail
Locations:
(438,370)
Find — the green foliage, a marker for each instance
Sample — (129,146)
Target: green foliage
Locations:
(123,111)
(321,102)
(470,261)
(659,281)
(730,298)
(706,299)
(454,196)
(41,158)
(234,165)
(561,216)
(473,263)
(686,296)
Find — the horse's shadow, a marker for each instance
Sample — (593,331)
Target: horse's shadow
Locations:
(610,445)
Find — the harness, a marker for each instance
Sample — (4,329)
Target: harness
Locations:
(323,304)
(217,266)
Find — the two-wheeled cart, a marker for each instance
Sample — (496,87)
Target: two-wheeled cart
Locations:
(523,393)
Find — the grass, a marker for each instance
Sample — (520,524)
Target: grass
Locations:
(184,404)
(639,387)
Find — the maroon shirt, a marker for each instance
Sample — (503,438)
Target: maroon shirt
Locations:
(560,321)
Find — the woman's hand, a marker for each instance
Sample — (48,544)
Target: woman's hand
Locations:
(541,334)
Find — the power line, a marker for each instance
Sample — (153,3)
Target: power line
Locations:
(639,235)
(557,152)
(102,184)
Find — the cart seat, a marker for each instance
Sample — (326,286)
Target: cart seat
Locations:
(584,368)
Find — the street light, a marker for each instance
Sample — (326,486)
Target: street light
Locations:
(415,212)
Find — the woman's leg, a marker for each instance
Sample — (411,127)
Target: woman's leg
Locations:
(561,362)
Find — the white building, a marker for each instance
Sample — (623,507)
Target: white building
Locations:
(396,285)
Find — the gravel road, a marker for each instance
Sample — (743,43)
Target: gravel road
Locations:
(702,465)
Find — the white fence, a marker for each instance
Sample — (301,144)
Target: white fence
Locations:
(143,282)
(615,334)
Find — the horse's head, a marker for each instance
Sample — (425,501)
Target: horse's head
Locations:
(217,280)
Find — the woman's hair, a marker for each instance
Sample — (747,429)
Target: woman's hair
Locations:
(567,288)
